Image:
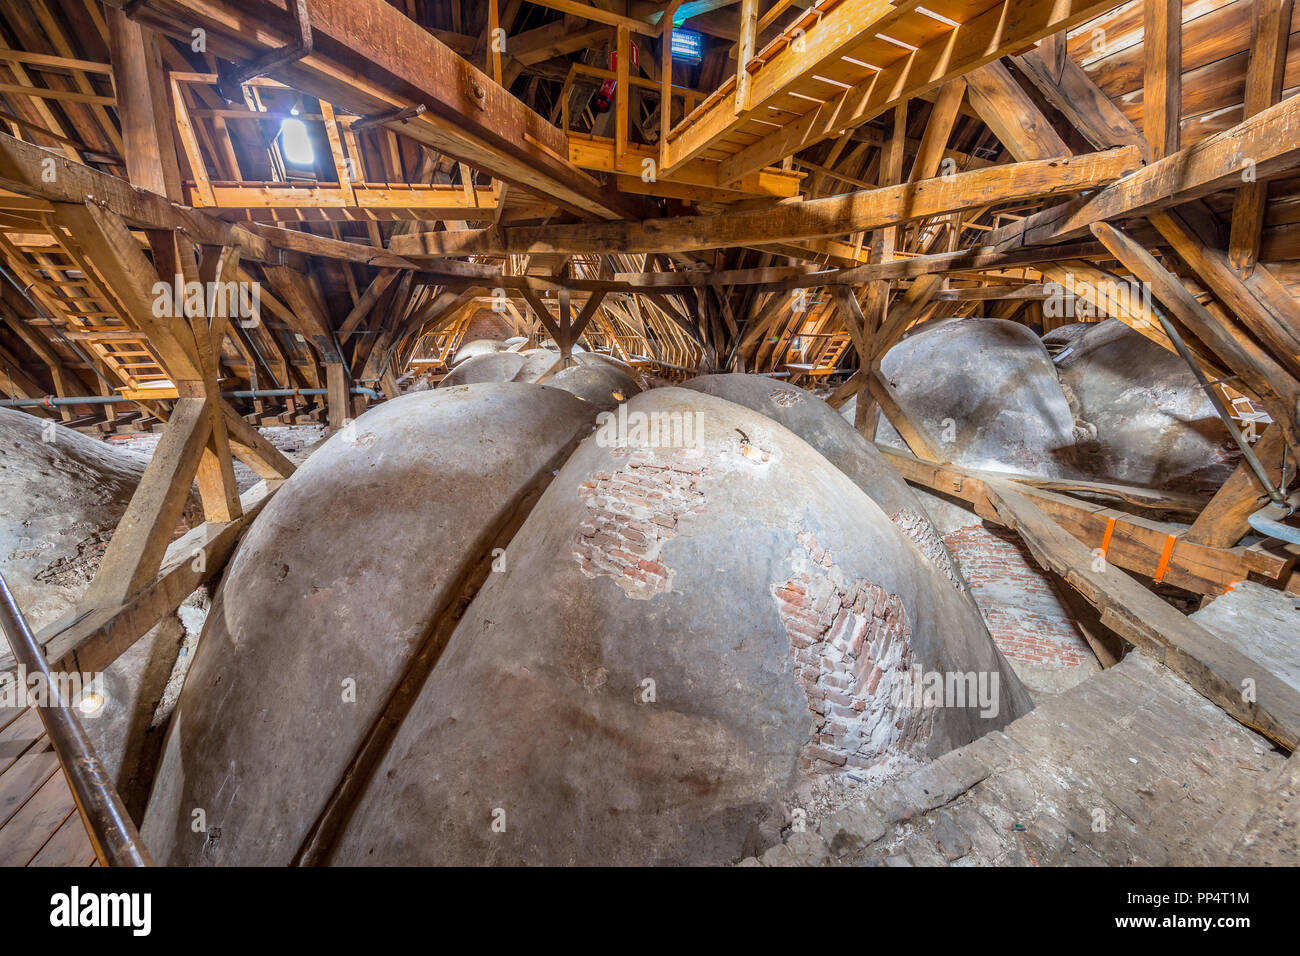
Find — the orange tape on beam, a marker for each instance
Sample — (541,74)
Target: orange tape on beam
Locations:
(1168,551)
(1105,538)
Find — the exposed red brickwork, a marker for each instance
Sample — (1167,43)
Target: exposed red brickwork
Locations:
(1017,599)
(922,533)
(785,397)
(631,512)
(851,644)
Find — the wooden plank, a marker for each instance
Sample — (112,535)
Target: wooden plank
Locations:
(147,143)
(1072,92)
(1136,544)
(216,471)
(26,832)
(934,142)
(745,53)
(25,776)
(997,31)
(1244,689)
(252,448)
(824,41)
(665,91)
(622,92)
(336,380)
(70,846)
(913,433)
(18,736)
(600,15)
(88,642)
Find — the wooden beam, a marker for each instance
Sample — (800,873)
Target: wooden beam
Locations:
(622,92)
(1258,300)
(745,53)
(388,61)
(253,449)
(130,277)
(136,550)
(998,30)
(1012,116)
(1070,90)
(1136,544)
(832,216)
(142,105)
(938,129)
(1267,144)
(600,15)
(913,433)
(84,642)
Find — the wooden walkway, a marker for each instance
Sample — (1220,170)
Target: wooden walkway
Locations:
(39,823)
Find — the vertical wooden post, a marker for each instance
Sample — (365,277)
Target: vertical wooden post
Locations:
(622,93)
(745,52)
(666,89)
(494,49)
(336,381)
(147,144)
(1264,76)
(1162,98)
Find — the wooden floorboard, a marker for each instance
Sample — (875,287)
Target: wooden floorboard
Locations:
(39,823)
(31,827)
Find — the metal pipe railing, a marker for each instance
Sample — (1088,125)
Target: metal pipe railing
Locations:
(54,401)
(1247,452)
(112,834)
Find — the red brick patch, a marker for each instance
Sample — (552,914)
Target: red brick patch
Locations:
(850,641)
(1017,599)
(632,511)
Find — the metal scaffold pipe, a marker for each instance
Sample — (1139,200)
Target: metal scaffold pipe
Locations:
(55,401)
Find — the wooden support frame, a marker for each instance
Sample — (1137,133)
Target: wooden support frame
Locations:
(88,641)
(1135,544)
(1248,691)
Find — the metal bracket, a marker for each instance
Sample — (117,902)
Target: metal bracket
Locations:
(392,116)
(231,77)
